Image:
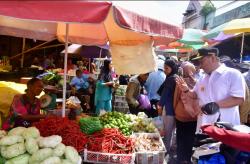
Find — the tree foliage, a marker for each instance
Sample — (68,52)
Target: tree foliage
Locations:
(207,8)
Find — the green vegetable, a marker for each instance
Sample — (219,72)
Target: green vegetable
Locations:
(66,161)
(50,142)
(31,132)
(41,155)
(16,131)
(90,125)
(52,160)
(2,160)
(117,120)
(10,140)
(13,150)
(31,145)
(59,150)
(71,154)
(21,159)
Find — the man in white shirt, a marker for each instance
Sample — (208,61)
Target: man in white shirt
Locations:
(221,85)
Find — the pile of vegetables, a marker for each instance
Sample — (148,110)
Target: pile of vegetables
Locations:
(90,125)
(110,140)
(67,129)
(145,142)
(25,146)
(141,123)
(121,90)
(117,120)
(51,77)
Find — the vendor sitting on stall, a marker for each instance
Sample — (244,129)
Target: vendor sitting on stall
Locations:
(80,82)
(82,88)
(25,108)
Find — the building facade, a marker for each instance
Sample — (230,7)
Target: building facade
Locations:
(232,10)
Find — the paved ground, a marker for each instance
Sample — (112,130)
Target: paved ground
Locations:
(171,158)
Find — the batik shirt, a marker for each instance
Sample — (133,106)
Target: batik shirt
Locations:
(21,106)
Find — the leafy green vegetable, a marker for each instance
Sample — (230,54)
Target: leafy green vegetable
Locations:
(2,160)
(90,125)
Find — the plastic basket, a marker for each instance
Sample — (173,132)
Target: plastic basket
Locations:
(120,99)
(121,104)
(121,109)
(150,157)
(97,157)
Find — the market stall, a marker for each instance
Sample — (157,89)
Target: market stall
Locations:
(111,138)
(115,24)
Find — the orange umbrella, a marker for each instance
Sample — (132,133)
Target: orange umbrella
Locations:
(175,44)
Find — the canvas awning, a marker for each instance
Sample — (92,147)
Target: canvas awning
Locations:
(100,22)
(87,23)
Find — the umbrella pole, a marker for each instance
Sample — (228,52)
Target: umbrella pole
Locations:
(242,46)
(89,65)
(100,54)
(23,49)
(65,69)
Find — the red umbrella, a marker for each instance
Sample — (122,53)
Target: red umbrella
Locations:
(100,22)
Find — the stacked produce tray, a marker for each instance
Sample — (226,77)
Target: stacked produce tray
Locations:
(119,101)
(57,112)
(97,157)
(156,150)
(120,104)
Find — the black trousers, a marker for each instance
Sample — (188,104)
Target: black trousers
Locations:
(153,111)
(185,135)
(150,113)
(134,110)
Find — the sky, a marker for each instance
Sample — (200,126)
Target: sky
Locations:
(166,11)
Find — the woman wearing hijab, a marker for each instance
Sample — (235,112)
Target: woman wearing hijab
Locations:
(103,92)
(186,111)
(166,100)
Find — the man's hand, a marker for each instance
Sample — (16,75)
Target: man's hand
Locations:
(159,109)
(73,90)
(180,82)
(91,79)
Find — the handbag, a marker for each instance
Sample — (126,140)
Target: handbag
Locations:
(186,108)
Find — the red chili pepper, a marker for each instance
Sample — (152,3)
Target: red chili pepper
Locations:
(67,129)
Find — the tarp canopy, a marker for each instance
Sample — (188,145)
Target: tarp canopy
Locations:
(91,23)
(88,51)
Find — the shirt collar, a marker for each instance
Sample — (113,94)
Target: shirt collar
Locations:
(221,68)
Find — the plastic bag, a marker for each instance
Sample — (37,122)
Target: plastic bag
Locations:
(158,122)
(73,102)
(144,101)
(102,112)
(214,159)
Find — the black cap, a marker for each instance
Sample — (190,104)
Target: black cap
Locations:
(206,52)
